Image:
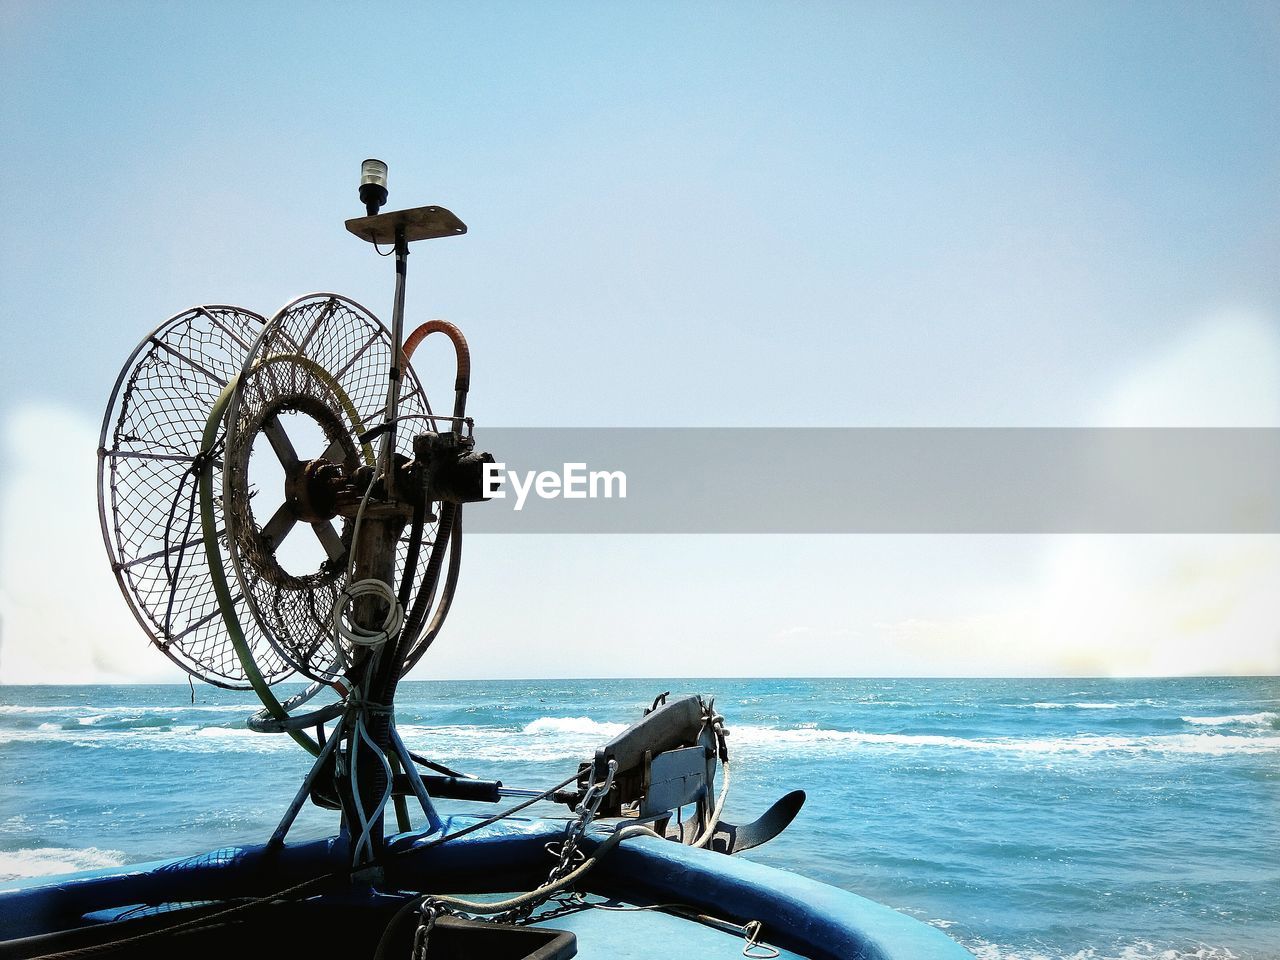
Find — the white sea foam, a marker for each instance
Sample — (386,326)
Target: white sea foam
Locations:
(549,738)
(1236,719)
(182,739)
(222,733)
(73,708)
(554,725)
(807,741)
(48,861)
(558,738)
(18,708)
(1136,950)
(1071,706)
(542,740)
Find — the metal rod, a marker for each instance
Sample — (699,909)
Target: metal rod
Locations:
(415,781)
(135,455)
(224,328)
(189,362)
(193,542)
(304,791)
(207,618)
(320,318)
(403,823)
(397,338)
(375,558)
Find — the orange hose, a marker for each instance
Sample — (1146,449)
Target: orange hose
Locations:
(462,354)
(460,348)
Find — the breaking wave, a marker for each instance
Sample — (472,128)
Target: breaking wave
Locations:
(49,861)
(573,725)
(1135,950)
(559,738)
(796,740)
(1264,719)
(13,708)
(1071,706)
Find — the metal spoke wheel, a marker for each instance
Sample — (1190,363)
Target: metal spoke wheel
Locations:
(318,371)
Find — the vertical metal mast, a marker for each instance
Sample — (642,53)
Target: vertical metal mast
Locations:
(388,513)
(397,358)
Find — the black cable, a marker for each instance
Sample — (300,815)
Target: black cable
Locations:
(174,570)
(446,598)
(385,685)
(416,619)
(169,575)
(440,768)
(415,547)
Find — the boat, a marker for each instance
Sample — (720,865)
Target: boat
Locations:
(248,563)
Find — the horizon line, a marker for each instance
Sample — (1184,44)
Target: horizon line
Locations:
(181,683)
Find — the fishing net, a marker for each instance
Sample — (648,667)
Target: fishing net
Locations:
(147,492)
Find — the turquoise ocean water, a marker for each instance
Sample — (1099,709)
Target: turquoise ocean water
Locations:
(1082,819)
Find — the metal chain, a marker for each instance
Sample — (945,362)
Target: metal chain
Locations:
(430,911)
(568,858)
(586,812)
(567,852)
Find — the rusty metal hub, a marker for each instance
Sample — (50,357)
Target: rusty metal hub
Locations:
(312,489)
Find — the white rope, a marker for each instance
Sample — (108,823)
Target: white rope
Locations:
(533,896)
(353,632)
(707,834)
(717,726)
(365,839)
(360,636)
(372,587)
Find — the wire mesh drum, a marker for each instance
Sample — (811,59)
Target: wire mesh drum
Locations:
(314,380)
(150,454)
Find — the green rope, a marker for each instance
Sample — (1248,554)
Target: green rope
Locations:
(214,556)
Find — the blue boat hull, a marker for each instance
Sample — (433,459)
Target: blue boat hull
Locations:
(802,916)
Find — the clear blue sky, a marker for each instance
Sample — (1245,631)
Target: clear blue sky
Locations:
(728,214)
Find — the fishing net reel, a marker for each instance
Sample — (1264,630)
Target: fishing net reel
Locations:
(278,497)
(235,455)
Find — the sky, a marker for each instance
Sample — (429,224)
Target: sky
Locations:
(697,214)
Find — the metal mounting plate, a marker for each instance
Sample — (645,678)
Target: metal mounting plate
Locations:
(420,223)
(676,777)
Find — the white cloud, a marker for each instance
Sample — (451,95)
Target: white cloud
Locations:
(1144,605)
(1117,606)
(62,617)
(1175,605)
(1178,605)
(1222,372)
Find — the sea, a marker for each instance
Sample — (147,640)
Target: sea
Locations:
(1058,819)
